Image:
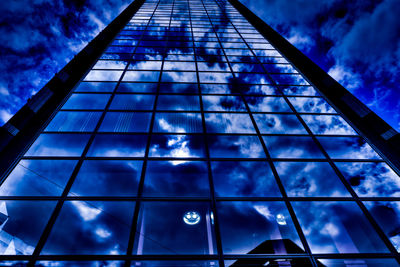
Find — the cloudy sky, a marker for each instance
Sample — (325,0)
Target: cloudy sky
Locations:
(357,42)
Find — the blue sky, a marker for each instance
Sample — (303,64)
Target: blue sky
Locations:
(357,42)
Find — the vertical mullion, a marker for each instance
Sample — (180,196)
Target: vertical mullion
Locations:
(144,167)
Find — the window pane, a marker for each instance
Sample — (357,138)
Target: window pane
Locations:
(235,147)
(133,102)
(178,123)
(310,179)
(327,124)
(244,179)
(223,103)
(371,179)
(38,178)
(58,145)
(311,105)
(178,102)
(74,121)
(102,228)
(258,227)
(348,148)
(87,101)
(107,178)
(229,123)
(292,147)
(337,227)
(279,124)
(96,87)
(137,87)
(268,104)
(176,178)
(106,145)
(126,122)
(177,146)
(173,234)
(22,225)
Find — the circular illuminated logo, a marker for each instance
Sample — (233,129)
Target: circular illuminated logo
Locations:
(191,217)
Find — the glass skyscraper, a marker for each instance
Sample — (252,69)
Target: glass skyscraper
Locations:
(192,141)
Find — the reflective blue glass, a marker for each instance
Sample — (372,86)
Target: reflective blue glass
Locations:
(279,124)
(125,122)
(348,148)
(267,104)
(178,102)
(292,147)
(177,146)
(178,123)
(235,147)
(107,145)
(74,121)
(223,103)
(132,102)
(228,123)
(87,101)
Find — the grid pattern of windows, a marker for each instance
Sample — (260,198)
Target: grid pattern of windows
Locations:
(193,142)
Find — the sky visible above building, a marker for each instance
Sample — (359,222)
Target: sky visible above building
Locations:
(357,42)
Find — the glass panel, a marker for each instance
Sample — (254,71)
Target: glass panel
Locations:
(244,179)
(137,87)
(235,147)
(22,223)
(103,75)
(133,102)
(106,145)
(38,178)
(177,146)
(126,122)
(185,228)
(107,178)
(310,179)
(58,145)
(102,227)
(141,76)
(337,227)
(347,148)
(178,123)
(87,101)
(178,102)
(327,124)
(299,90)
(268,104)
(96,87)
(229,123)
(278,124)
(179,88)
(223,103)
(358,262)
(173,263)
(74,121)
(272,262)
(81,263)
(179,76)
(292,147)
(311,105)
(259,227)
(176,178)
(371,179)
(387,214)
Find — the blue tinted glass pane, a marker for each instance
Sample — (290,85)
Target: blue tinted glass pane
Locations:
(215,77)
(137,87)
(179,88)
(176,178)
(87,101)
(235,147)
(178,123)
(107,178)
(22,225)
(279,124)
(74,121)
(299,90)
(289,79)
(337,227)
(58,145)
(216,89)
(110,64)
(96,87)
(265,227)
(38,178)
(177,146)
(173,263)
(267,261)
(260,90)
(178,102)
(328,124)
(223,103)
(268,104)
(126,122)
(102,228)
(118,146)
(371,179)
(310,179)
(179,76)
(229,123)
(81,263)
(141,76)
(387,214)
(179,65)
(292,147)
(311,105)
(133,102)
(185,228)
(359,262)
(348,148)
(244,179)
(103,75)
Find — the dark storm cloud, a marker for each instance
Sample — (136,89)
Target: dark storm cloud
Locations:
(37,38)
(358,42)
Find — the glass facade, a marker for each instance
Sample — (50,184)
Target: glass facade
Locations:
(193,142)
